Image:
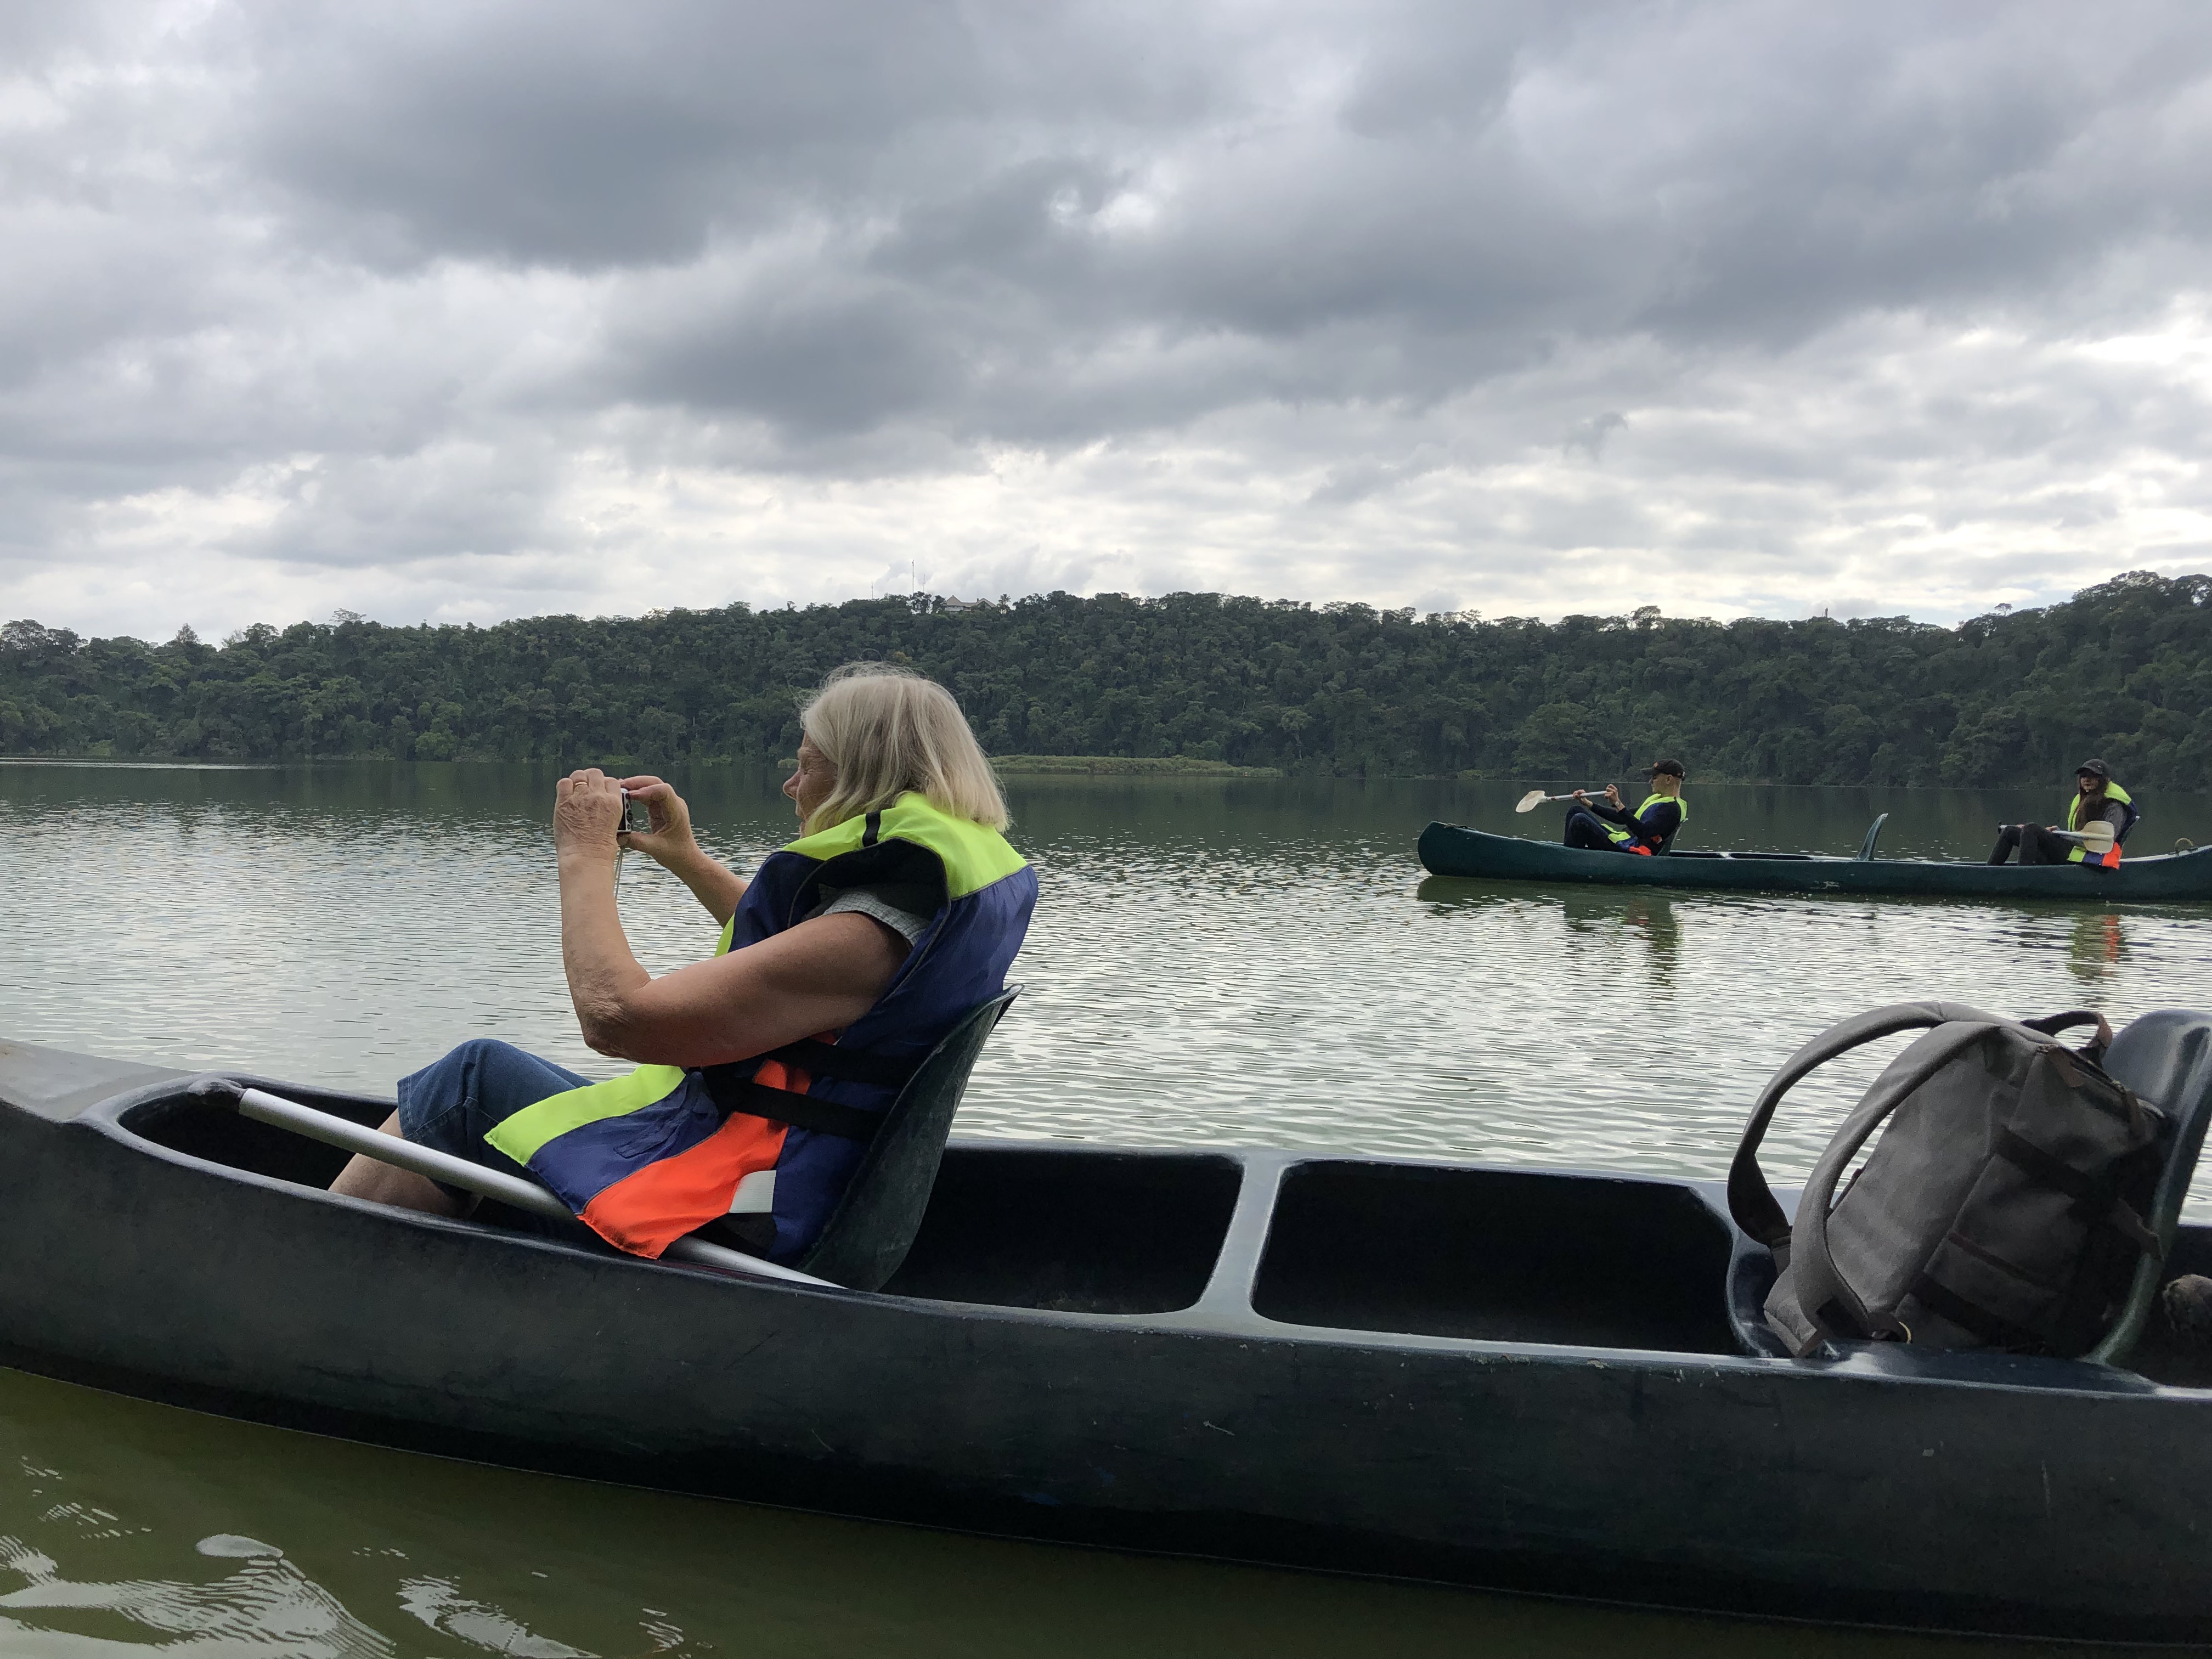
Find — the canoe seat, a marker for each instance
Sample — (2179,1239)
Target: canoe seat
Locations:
(873,1225)
(2166,1057)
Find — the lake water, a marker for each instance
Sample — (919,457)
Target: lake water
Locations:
(1232,961)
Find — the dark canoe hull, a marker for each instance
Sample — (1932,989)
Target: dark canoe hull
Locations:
(1558,1404)
(1451,849)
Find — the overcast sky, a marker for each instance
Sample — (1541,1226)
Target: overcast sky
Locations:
(465,311)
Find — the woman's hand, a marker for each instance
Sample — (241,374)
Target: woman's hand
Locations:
(1613,794)
(669,842)
(587,812)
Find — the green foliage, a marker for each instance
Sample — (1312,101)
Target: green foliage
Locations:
(2123,670)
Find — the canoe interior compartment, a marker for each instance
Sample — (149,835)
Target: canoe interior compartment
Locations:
(1020,1226)
(1498,1256)
(187,1124)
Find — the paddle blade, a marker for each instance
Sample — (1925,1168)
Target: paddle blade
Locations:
(2097,839)
(1536,798)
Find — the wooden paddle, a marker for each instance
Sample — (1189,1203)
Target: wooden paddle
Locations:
(1536,798)
(2096,839)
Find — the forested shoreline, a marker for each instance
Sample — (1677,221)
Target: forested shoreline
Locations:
(2123,670)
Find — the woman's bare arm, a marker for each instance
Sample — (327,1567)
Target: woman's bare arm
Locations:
(820,976)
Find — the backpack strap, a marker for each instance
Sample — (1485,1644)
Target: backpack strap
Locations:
(1751,1201)
(1829,1301)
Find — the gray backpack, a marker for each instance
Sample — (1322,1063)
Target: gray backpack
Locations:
(2002,1208)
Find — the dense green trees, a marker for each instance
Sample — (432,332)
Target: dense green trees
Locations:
(2123,670)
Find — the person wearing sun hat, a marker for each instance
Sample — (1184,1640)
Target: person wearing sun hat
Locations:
(2095,796)
(1607,826)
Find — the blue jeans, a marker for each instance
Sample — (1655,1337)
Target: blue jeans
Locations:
(452,1104)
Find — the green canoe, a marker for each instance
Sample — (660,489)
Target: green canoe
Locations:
(1451,849)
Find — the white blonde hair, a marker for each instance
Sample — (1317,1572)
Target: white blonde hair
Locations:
(888,730)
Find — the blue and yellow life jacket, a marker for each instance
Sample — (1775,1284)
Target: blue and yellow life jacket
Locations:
(2110,859)
(1620,836)
(645,1159)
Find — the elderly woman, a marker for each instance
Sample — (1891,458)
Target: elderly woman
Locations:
(843,961)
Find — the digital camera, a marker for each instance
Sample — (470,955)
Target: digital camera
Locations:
(637,815)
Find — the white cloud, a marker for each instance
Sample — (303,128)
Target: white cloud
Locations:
(477,310)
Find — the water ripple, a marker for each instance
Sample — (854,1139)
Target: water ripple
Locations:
(1231,963)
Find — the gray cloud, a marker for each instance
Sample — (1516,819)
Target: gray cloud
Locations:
(1587,437)
(469,307)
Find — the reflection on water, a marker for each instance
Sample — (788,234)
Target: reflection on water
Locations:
(1647,918)
(264,1604)
(2095,949)
(1212,961)
(132,1529)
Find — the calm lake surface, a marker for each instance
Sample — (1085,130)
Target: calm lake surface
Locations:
(1212,961)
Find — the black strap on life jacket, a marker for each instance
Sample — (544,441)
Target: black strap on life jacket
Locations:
(733,1094)
(845,1065)
(734,1088)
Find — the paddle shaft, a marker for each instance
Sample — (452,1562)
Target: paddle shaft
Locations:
(2101,837)
(512,1190)
(1535,797)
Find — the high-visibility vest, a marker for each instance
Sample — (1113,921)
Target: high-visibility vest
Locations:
(645,1159)
(1649,801)
(2111,857)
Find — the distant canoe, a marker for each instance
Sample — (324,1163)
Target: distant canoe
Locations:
(1451,849)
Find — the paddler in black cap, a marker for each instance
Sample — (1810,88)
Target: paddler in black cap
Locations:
(2096,797)
(1607,826)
